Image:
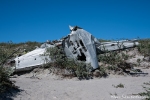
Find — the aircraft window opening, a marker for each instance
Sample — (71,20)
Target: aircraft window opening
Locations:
(81,43)
(77,43)
(71,42)
(74,52)
(74,48)
(82,57)
(112,44)
(85,49)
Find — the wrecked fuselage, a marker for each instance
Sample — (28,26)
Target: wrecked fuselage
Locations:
(32,59)
(79,45)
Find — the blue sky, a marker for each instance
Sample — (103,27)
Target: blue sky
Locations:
(41,20)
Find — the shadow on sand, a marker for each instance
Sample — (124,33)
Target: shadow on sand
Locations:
(9,94)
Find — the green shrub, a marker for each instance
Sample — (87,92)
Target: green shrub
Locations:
(111,67)
(120,86)
(147,91)
(144,47)
(138,61)
(114,61)
(110,58)
(59,60)
(5,82)
(103,72)
(10,47)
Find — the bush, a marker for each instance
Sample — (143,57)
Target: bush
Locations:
(147,91)
(109,58)
(5,82)
(144,47)
(5,72)
(9,47)
(119,86)
(7,51)
(103,71)
(114,62)
(59,60)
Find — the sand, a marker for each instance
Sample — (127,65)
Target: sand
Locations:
(45,86)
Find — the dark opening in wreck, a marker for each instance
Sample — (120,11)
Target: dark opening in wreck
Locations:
(81,57)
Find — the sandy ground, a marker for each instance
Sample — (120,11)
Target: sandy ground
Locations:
(45,86)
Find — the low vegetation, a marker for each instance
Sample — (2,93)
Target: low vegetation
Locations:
(109,61)
(68,67)
(115,61)
(144,47)
(21,48)
(119,86)
(8,51)
(146,94)
(5,82)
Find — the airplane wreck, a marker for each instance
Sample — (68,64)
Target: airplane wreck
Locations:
(79,44)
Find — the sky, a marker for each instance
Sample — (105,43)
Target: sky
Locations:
(41,20)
